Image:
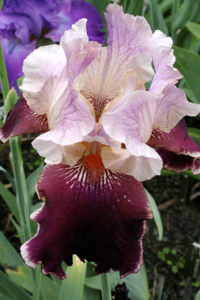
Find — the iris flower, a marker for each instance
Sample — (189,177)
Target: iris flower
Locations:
(103,133)
(23,22)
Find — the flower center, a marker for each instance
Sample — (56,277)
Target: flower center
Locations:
(94,168)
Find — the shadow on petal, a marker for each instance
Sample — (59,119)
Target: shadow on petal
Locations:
(89,211)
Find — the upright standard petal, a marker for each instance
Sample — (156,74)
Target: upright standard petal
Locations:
(163,60)
(90,211)
(45,77)
(127,56)
(126,32)
(79,51)
(49,77)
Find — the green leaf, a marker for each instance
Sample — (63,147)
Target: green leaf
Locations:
(190,95)
(31,181)
(165,5)
(93,282)
(194,28)
(13,290)
(72,288)
(165,172)
(3,297)
(10,200)
(197,297)
(8,254)
(90,293)
(36,206)
(135,7)
(156,215)
(101,8)
(22,276)
(188,63)
(1,3)
(161,255)
(10,100)
(156,17)
(136,283)
(50,288)
(8,176)
(166,250)
(187,12)
(195,135)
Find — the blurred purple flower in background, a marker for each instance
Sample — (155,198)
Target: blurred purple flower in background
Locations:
(23,22)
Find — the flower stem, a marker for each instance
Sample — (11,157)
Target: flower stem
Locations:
(105,286)
(3,75)
(21,188)
(37,286)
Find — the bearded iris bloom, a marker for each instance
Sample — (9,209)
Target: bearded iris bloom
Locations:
(103,133)
(23,22)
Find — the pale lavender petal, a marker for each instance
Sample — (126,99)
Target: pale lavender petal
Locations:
(126,125)
(90,211)
(128,55)
(126,32)
(45,77)
(107,76)
(47,80)
(79,51)
(127,122)
(121,160)
(99,135)
(71,12)
(171,107)
(163,60)
(68,125)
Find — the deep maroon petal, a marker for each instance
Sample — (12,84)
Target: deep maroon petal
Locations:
(89,211)
(179,162)
(178,151)
(22,120)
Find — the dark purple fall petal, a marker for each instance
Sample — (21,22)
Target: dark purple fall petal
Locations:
(179,162)
(178,151)
(22,120)
(89,211)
